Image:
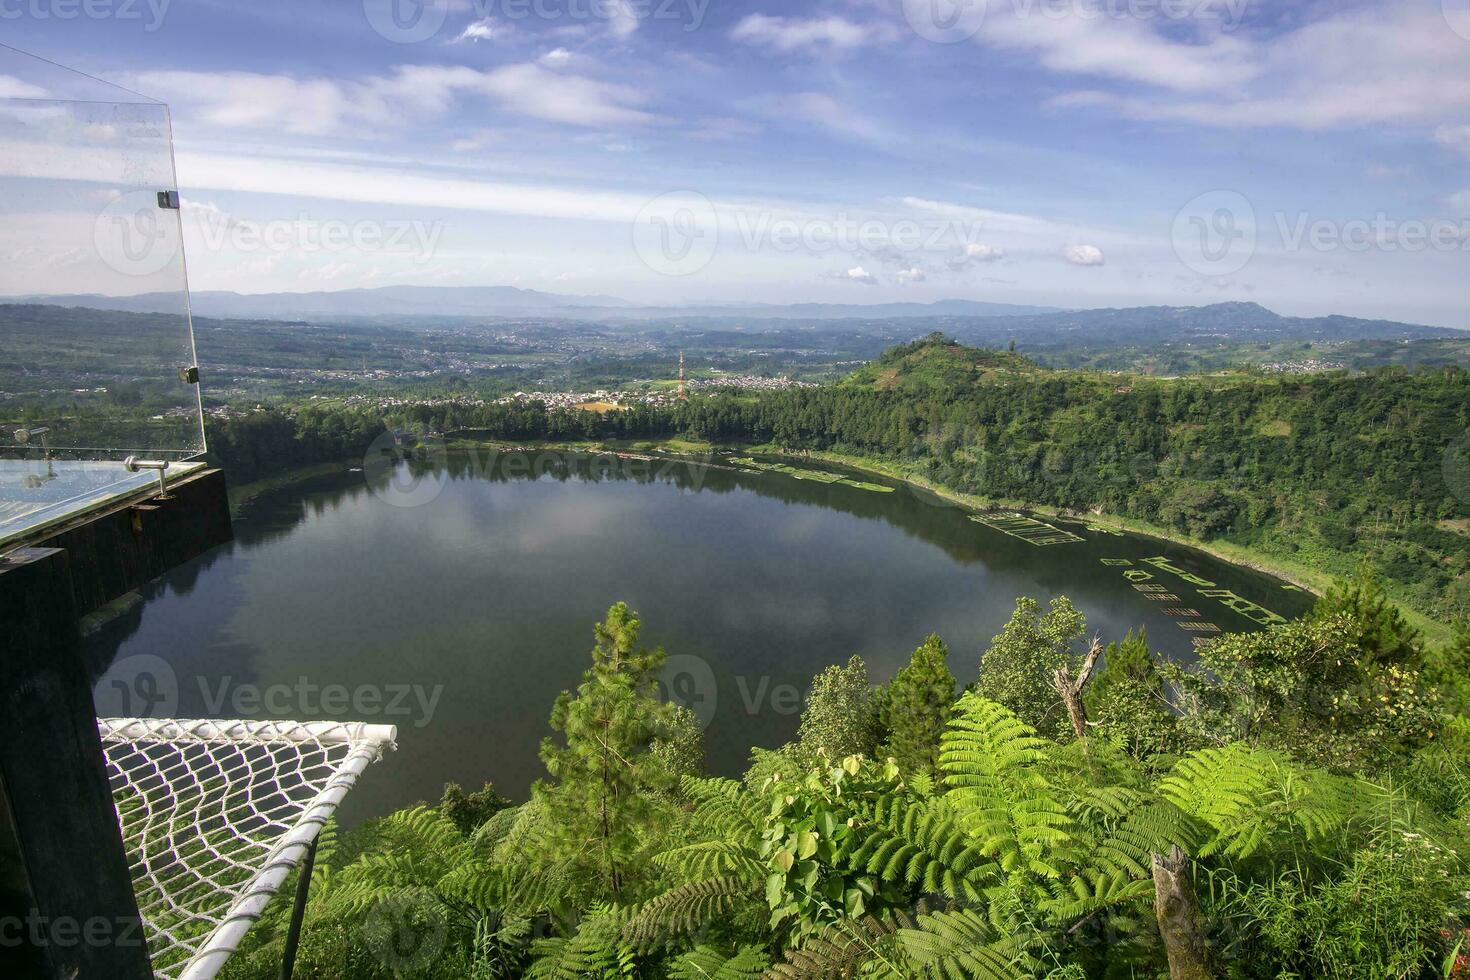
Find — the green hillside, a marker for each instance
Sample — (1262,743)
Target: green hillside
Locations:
(939,363)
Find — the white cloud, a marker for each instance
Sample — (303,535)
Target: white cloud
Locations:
(484,30)
(915,274)
(1125,48)
(984,253)
(789,34)
(534,91)
(279,102)
(1088,255)
(622,20)
(827,112)
(1455,137)
(400,187)
(726,128)
(989,220)
(13,88)
(1396,64)
(477,140)
(859,275)
(324,106)
(1021,231)
(975,253)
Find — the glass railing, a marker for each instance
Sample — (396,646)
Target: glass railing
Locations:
(96,348)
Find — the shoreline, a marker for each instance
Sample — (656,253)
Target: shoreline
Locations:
(241,495)
(1313,581)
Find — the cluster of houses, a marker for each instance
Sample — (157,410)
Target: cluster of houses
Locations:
(750,381)
(1310,365)
(660,398)
(600,398)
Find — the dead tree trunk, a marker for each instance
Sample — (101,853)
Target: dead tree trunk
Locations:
(1071,689)
(1180,924)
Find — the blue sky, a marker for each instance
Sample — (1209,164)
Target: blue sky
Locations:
(1310,156)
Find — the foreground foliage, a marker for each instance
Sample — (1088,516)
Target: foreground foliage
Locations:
(1302,813)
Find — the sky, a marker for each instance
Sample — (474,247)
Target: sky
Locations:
(1310,156)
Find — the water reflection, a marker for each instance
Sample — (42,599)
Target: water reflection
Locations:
(487,594)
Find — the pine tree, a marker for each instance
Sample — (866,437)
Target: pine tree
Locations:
(915,707)
(603,795)
(1384,635)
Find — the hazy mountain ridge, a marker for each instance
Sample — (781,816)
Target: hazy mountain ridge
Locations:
(974,322)
(408,301)
(1221,323)
(385,300)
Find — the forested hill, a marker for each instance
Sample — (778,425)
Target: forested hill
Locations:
(1327,470)
(938,364)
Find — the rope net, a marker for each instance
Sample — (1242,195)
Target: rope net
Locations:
(215,814)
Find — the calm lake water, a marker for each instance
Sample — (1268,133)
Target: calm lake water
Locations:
(461,616)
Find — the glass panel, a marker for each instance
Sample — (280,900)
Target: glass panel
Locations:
(95,339)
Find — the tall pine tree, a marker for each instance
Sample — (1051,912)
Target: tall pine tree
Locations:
(604,796)
(915,706)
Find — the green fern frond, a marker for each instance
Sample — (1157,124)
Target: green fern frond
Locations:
(723,807)
(962,944)
(708,963)
(841,949)
(922,845)
(991,761)
(706,859)
(1091,892)
(985,742)
(686,908)
(595,950)
(1255,800)
(1128,845)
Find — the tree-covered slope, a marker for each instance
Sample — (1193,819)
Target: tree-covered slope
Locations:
(937,365)
(1330,470)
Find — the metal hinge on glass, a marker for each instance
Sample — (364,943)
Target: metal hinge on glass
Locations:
(168,200)
(189,375)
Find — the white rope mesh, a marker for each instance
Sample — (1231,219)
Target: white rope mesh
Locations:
(215,814)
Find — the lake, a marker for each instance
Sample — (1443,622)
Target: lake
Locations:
(455,597)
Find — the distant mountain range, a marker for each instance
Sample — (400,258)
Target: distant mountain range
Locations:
(383,301)
(503,301)
(980,323)
(1221,323)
